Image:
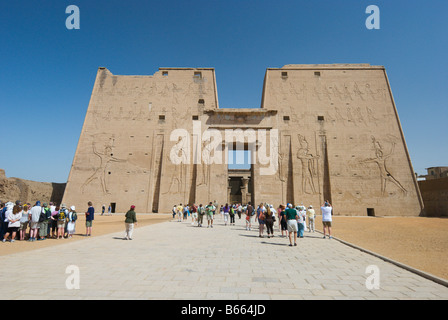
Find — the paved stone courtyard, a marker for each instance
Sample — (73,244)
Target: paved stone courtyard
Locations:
(176,261)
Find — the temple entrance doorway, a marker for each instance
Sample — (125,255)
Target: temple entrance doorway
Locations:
(240,182)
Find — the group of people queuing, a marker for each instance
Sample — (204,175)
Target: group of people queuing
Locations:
(293,221)
(40,221)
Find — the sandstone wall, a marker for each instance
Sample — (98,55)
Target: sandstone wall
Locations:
(334,128)
(435,197)
(123,154)
(342,138)
(12,189)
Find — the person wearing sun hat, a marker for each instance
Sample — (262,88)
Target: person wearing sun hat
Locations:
(131,219)
(71,222)
(61,221)
(311,214)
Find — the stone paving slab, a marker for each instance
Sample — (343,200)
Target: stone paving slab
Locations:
(178,261)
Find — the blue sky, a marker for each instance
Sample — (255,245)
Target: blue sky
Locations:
(47,71)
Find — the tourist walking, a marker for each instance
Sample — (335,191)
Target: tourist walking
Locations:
(221,211)
(201,212)
(186,212)
(326,209)
(71,222)
(249,213)
(232,215)
(303,211)
(179,212)
(274,215)
(311,215)
(90,216)
(194,214)
(239,210)
(270,217)
(210,210)
(225,213)
(261,219)
(291,218)
(282,224)
(174,211)
(300,221)
(130,221)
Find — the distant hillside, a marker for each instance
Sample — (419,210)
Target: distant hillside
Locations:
(12,189)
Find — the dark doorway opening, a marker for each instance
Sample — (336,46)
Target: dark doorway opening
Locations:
(235,185)
(240,173)
(370,212)
(112,206)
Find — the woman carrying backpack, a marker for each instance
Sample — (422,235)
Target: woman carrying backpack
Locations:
(261,217)
(232,215)
(270,218)
(61,218)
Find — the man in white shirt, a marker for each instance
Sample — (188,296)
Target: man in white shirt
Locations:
(34,223)
(326,218)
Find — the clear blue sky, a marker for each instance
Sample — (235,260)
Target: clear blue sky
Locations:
(47,71)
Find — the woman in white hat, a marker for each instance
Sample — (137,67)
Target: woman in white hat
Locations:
(72,217)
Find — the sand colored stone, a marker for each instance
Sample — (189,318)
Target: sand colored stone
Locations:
(321,132)
(175,261)
(415,241)
(27,191)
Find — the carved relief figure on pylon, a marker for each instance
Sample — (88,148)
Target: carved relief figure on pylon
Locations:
(309,164)
(106,157)
(380,159)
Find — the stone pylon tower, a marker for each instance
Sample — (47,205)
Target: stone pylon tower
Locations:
(323,132)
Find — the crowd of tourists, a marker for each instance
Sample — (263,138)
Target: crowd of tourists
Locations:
(43,221)
(40,221)
(293,221)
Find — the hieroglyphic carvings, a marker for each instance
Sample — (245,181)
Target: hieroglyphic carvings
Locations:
(381,156)
(207,148)
(352,116)
(334,109)
(309,166)
(178,181)
(106,157)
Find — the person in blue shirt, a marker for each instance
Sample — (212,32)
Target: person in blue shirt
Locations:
(90,215)
(3,224)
